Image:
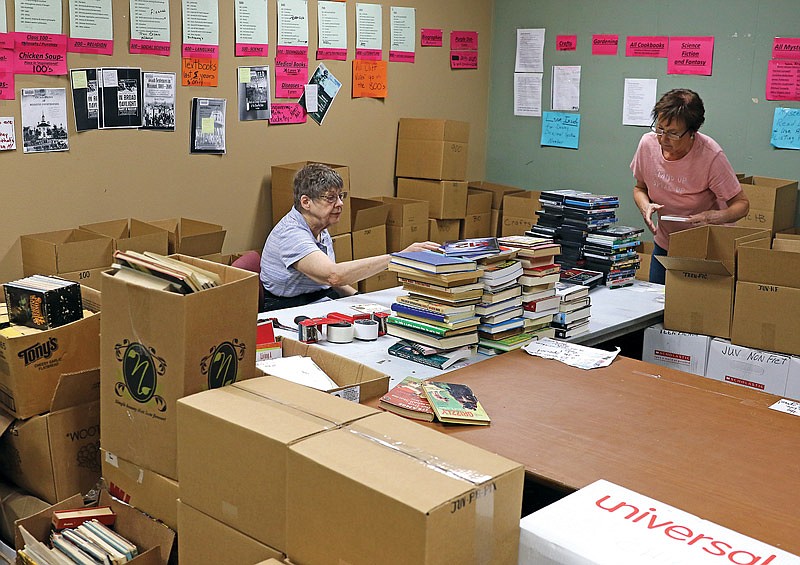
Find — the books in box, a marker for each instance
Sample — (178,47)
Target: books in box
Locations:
(43,302)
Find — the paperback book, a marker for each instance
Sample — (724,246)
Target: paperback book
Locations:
(479,246)
(407,398)
(440,360)
(455,403)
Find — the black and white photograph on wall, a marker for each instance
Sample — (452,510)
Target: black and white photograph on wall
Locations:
(85,98)
(208,125)
(254,93)
(44,120)
(158,101)
(120,97)
(327,88)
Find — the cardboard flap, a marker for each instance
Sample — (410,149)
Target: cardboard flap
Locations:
(139,528)
(693,265)
(74,389)
(5,421)
(116,229)
(39,524)
(769,266)
(368,213)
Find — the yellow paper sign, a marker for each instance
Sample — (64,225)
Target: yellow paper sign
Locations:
(244,74)
(79,80)
(369,79)
(207,125)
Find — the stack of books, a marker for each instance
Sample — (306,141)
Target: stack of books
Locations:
(439,308)
(612,251)
(157,272)
(500,308)
(574,310)
(42,302)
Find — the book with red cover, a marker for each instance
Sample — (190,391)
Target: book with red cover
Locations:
(74,517)
(408,399)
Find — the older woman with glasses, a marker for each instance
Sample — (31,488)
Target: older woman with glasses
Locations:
(682,173)
(298,265)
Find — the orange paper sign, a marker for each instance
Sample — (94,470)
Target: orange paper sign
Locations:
(369,79)
(200,72)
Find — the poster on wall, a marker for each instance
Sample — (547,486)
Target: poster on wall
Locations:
(85,103)
(208,126)
(327,88)
(44,120)
(120,97)
(158,101)
(254,93)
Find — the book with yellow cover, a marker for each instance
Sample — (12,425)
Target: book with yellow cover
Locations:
(455,403)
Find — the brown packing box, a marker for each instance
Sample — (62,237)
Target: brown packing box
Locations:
(283,193)
(513,225)
(478,201)
(64,251)
(93,278)
(206,541)
(343,247)
(447,199)
(153,494)
(498,191)
(767,310)
(398,238)
(405,212)
(786,244)
(432,149)
(476,225)
(233,448)
(223,258)
(494,223)
(773,203)
(192,237)
(158,346)
(369,242)
(645,252)
(132,235)
(440,231)
(57,454)
(522,204)
(369,227)
(153,539)
(31,365)
(15,505)
(791,233)
(381,281)
(401,482)
(701,269)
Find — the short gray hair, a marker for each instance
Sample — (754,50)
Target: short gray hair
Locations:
(314,180)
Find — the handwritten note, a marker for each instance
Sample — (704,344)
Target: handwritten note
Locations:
(287,113)
(571,354)
(787,406)
(646,46)
(690,56)
(463,59)
(566,42)
(6,85)
(370,79)
(199,72)
(463,40)
(429,37)
(605,44)
(561,130)
(786,48)
(7,140)
(40,54)
(786,128)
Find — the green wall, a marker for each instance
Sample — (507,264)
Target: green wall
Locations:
(737,115)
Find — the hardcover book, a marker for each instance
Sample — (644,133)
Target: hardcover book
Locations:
(431,340)
(455,403)
(407,399)
(432,262)
(440,360)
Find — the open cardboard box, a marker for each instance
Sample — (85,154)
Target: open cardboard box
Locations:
(16,504)
(447,198)
(154,539)
(192,237)
(498,191)
(56,454)
(64,251)
(772,202)
(432,149)
(132,235)
(369,227)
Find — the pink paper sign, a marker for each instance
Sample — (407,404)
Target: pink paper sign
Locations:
(6,60)
(149,47)
(401,56)
(40,54)
(786,48)
(605,44)
(331,54)
(429,37)
(463,59)
(291,75)
(369,54)
(6,41)
(783,80)
(95,46)
(690,55)
(197,51)
(566,42)
(251,49)
(646,46)
(463,40)
(6,85)
(287,113)
(293,51)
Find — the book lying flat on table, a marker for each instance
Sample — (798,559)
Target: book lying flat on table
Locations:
(451,342)
(432,262)
(440,359)
(408,399)
(455,403)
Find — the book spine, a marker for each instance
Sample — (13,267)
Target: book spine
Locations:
(404,309)
(435,361)
(420,326)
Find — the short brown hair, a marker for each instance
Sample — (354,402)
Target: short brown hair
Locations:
(682,104)
(314,180)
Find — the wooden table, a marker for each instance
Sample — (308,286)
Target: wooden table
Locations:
(713,449)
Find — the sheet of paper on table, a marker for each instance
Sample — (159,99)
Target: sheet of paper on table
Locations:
(571,354)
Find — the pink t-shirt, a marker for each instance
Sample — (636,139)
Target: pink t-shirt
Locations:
(701,180)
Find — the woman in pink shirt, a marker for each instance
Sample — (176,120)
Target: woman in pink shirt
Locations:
(681,172)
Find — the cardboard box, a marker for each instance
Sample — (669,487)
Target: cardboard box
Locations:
(494,223)
(192,237)
(606,523)
(677,350)
(754,368)
(478,201)
(64,251)
(93,278)
(132,235)
(31,365)
(402,488)
(767,310)
(153,539)
(498,191)
(701,272)
(283,193)
(443,230)
(153,494)
(405,212)
(16,504)
(159,346)
(793,379)
(369,227)
(786,244)
(206,541)
(432,149)
(791,233)
(253,423)
(645,252)
(773,203)
(343,247)
(369,242)
(476,225)
(381,281)
(447,199)
(522,204)
(513,225)
(57,454)
(398,238)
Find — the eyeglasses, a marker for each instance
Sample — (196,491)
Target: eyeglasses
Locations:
(673,136)
(333,198)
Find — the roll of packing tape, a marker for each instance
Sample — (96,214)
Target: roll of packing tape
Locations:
(366,330)
(340,332)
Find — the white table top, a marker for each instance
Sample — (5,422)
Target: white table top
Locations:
(614,313)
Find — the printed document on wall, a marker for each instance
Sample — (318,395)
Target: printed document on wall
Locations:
(530,50)
(638,100)
(528,94)
(566,88)
(38,16)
